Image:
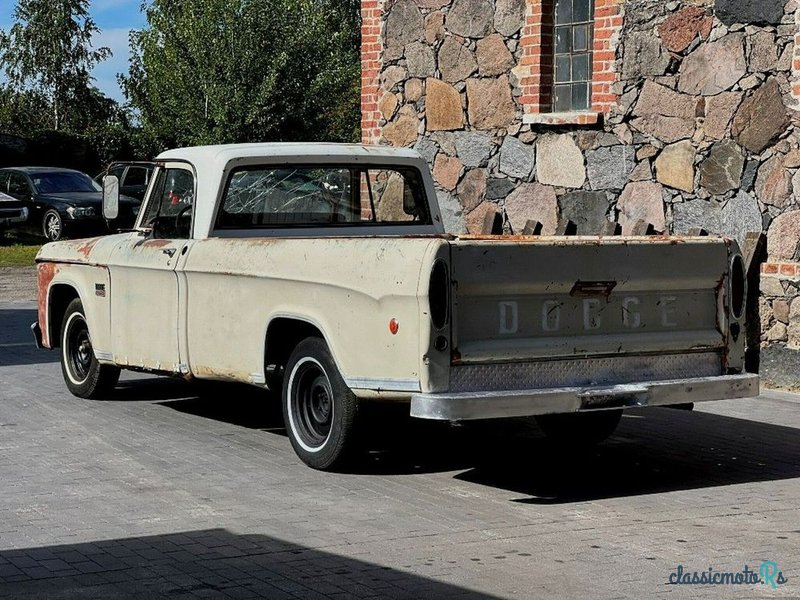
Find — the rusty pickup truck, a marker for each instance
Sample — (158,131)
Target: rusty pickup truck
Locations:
(325,273)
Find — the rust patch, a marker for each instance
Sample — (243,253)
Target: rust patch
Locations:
(46,272)
(211,373)
(86,246)
(455,357)
(156,243)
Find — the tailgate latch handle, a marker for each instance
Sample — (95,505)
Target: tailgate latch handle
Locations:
(589,289)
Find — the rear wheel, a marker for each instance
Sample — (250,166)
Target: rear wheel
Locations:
(84,376)
(318,408)
(580,430)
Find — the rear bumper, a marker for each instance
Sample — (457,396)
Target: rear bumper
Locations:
(525,403)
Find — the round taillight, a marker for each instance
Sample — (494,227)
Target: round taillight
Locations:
(738,291)
(439,294)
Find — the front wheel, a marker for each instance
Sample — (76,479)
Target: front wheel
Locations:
(318,408)
(53,226)
(85,377)
(579,430)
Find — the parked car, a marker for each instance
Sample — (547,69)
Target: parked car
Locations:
(325,273)
(13,213)
(62,202)
(134,177)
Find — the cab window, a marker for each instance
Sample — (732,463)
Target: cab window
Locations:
(326,196)
(169,213)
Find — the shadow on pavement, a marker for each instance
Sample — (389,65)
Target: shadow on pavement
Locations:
(208,563)
(16,341)
(653,451)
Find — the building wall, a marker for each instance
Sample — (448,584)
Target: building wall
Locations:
(693,120)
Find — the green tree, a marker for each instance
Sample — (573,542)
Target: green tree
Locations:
(21,112)
(49,49)
(221,71)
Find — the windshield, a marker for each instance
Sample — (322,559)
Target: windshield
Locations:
(65,182)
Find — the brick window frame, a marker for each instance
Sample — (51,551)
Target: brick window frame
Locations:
(535,71)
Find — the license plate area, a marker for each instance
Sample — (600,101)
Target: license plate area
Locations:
(611,398)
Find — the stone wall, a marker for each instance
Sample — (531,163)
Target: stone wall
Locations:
(699,128)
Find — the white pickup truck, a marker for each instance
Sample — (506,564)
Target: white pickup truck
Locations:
(324,272)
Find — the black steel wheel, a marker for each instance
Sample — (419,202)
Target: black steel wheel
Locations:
(53,226)
(318,408)
(84,375)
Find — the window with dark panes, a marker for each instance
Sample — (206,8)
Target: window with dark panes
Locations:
(572,60)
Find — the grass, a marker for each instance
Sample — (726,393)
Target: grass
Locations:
(18,250)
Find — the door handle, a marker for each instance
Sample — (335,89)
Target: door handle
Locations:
(170,252)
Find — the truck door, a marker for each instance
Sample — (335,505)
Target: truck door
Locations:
(144,292)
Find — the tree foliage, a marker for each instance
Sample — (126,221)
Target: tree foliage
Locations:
(48,51)
(220,71)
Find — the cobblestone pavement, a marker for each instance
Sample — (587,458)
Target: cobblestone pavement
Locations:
(179,491)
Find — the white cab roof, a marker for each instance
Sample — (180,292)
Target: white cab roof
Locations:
(211,165)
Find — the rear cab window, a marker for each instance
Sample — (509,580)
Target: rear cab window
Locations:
(347,196)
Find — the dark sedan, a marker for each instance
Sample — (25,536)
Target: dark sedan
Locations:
(62,202)
(13,213)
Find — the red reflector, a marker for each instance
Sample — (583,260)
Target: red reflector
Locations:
(394,326)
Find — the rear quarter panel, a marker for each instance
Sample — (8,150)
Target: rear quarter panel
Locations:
(349,288)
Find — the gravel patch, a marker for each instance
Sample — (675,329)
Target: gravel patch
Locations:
(18,284)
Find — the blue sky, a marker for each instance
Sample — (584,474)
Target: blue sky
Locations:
(115,18)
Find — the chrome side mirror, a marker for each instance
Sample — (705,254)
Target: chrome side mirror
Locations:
(110,197)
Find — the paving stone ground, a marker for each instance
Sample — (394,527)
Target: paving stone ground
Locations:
(179,491)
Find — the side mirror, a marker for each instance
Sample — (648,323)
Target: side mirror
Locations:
(110,197)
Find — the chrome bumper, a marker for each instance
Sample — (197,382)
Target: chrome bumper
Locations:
(526,403)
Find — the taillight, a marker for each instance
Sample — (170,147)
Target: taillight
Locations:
(439,295)
(738,287)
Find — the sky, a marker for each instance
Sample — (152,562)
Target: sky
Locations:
(115,18)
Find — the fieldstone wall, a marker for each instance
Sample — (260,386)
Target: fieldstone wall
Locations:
(704,132)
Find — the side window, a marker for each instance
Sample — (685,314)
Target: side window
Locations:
(169,212)
(118,172)
(136,176)
(18,186)
(4,183)
(322,196)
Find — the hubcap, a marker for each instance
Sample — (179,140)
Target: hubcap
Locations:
(79,348)
(312,404)
(53,227)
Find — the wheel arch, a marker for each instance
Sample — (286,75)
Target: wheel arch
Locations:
(283,334)
(59,297)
